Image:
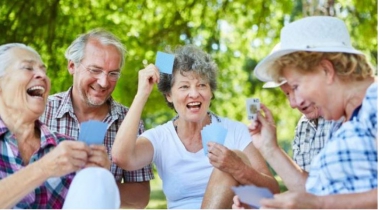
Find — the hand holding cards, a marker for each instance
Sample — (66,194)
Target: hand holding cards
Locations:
(213,132)
(92,132)
(253,106)
(251,195)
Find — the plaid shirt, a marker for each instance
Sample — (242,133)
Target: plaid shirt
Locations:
(51,194)
(59,116)
(309,140)
(348,163)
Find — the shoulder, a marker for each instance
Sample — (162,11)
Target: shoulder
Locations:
(56,100)
(231,125)
(52,135)
(118,108)
(370,99)
(162,128)
(160,132)
(58,96)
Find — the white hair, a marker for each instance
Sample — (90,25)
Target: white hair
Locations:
(75,52)
(5,56)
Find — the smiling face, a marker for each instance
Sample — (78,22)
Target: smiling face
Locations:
(317,88)
(191,96)
(24,88)
(305,107)
(93,90)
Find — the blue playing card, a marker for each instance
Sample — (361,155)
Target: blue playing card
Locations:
(164,62)
(213,132)
(251,194)
(92,132)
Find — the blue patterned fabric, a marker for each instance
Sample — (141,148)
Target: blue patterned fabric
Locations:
(348,163)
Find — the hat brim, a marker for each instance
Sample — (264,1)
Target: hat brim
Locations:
(273,84)
(261,69)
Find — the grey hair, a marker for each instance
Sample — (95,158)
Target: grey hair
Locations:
(75,52)
(5,57)
(189,58)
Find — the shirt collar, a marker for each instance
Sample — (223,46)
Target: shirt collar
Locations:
(66,105)
(47,137)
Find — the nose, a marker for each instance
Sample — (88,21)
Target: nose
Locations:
(103,80)
(299,101)
(193,92)
(292,102)
(40,74)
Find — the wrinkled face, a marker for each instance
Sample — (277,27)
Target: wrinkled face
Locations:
(94,90)
(191,96)
(25,86)
(316,89)
(305,107)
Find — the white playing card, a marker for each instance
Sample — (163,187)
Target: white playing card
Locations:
(253,106)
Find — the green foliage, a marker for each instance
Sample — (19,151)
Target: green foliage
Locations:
(236,33)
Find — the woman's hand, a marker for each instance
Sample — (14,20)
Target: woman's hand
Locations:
(238,204)
(67,157)
(263,132)
(147,78)
(98,157)
(223,158)
(292,200)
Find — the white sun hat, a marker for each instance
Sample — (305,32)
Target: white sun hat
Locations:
(272,84)
(314,34)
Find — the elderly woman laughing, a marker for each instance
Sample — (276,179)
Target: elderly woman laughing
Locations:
(36,165)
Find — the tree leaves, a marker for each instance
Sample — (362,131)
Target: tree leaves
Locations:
(236,33)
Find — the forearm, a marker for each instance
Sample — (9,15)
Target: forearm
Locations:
(134,195)
(249,175)
(123,149)
(16,186)
(365,200)
(292,175)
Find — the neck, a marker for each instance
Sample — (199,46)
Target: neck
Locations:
(185,128)
(19,123)
(355,93)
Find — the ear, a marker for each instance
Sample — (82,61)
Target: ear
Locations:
(328,69)
(169,98)
(71,67)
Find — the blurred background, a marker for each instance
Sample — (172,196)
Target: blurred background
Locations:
(237,33)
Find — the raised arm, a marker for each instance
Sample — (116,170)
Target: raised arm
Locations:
(128,153)
(263,133)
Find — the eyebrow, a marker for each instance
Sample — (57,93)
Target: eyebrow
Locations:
(98,67)
(33,62)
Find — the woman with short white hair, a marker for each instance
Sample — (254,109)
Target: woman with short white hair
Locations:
(37,166)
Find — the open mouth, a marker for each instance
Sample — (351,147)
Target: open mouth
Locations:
(194,105)
(36,91)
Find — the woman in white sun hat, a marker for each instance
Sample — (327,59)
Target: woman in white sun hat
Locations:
(317,60)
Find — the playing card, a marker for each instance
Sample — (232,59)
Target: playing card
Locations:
(253,106)
(251,195)
(164,62)
(92,132)
(213,132)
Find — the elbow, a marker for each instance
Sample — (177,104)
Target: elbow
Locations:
(119,160)
(276,188)
(143,204)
